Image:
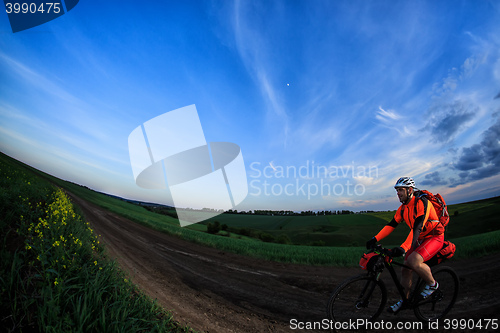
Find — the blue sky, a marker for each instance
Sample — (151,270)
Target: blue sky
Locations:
(330,101)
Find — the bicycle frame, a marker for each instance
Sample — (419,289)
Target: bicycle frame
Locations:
(395,278)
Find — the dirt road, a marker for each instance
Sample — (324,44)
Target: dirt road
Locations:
(214,291)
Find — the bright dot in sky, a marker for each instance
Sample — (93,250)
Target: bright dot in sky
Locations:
(288,84)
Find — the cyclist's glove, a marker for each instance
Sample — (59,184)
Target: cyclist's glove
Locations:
(397,252)
(371,243)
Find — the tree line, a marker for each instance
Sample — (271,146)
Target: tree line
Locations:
(290,213)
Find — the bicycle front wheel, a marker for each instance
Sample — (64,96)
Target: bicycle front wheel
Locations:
(442,300)
(360,297)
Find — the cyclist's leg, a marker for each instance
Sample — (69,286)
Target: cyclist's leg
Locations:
(406,279)
(416,262)
(406,282)
(426,250)
(407,274)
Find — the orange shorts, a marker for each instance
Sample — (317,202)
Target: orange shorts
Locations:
(428,247)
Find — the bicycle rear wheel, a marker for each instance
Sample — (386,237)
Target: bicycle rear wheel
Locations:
(442,300)
(360,297)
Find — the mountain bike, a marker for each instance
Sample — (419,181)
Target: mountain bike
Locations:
(364,296)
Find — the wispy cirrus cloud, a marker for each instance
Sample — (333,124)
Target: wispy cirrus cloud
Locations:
(392,120)
(37,80)
(386,116)
(59,119)
(253,49)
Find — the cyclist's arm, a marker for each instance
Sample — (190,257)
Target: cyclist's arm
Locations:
(386,231)
(408,241)
(417,229)
(411,241)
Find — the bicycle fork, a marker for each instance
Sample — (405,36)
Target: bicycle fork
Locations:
(366,293)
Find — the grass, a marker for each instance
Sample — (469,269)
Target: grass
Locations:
(54,275)
(344,236)
(477,245)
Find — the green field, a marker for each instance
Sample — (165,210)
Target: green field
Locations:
(466,219)
(342,237)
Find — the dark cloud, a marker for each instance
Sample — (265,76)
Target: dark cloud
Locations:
(497,96)
(463,174)
(447,120)
(433,178)
(462,179)
(471,158)
(480,160)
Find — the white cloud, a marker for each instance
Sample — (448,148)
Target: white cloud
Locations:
(40,82)
(386,116)
(392,120)
(253,49)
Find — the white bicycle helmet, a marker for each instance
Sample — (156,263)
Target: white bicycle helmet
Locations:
(405,182)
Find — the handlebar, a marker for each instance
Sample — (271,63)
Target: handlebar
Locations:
(382,250)
(391,253)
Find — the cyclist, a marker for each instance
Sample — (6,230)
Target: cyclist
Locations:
(423,242)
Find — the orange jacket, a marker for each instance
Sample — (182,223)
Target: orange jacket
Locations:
(420,216)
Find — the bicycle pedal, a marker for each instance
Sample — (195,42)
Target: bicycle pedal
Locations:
(437,296)
(390,310)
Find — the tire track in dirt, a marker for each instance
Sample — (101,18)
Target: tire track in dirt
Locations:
(216,291)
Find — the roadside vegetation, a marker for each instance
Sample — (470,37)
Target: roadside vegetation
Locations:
(54,275)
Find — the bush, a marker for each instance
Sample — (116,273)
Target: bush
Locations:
(268,238)
(245,232)
(213,228)
(284,239)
